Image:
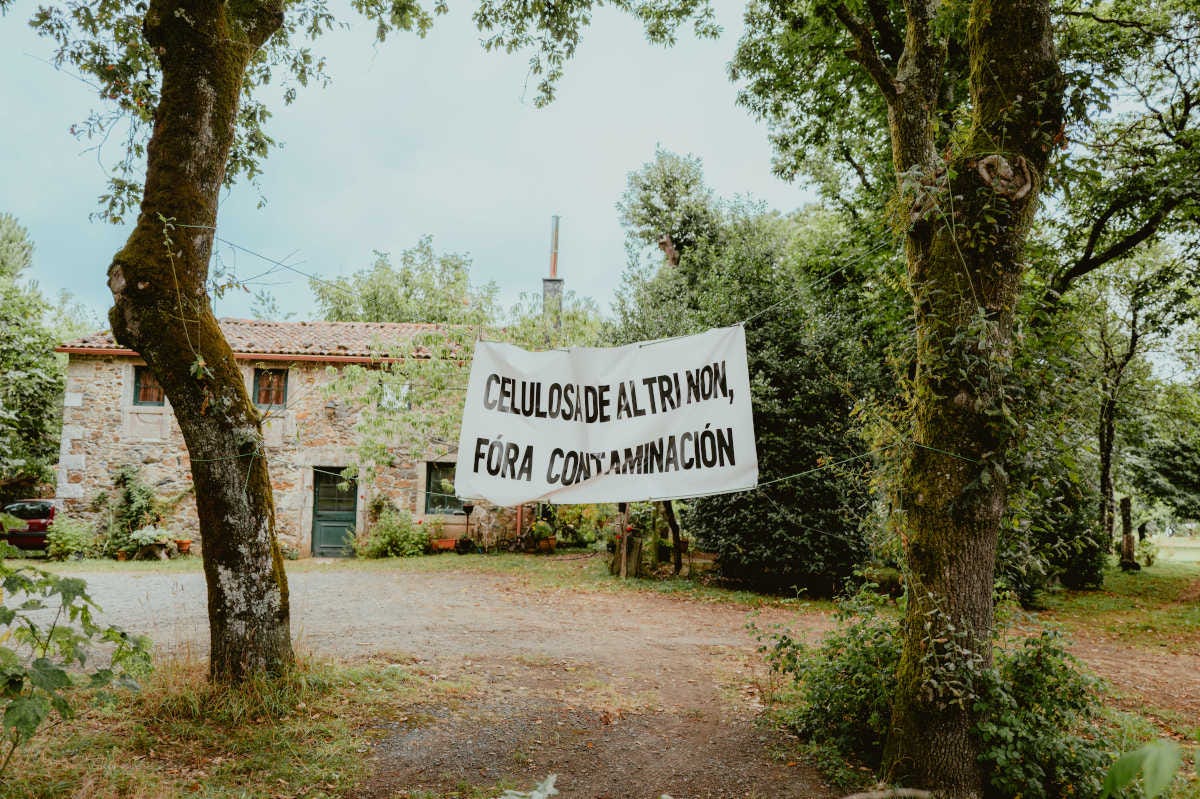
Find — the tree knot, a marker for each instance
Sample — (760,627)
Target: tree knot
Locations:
(1013,181)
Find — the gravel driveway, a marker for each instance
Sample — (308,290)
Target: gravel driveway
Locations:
(623,694)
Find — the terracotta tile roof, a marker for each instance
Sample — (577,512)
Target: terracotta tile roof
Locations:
(299,340)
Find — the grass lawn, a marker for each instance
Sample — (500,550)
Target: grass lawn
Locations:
(1158,606)
(1179,549)
(179,736)
(569,569)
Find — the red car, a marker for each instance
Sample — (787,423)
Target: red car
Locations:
(37,515)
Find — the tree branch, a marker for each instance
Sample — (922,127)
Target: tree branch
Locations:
(889,39)
(865,53)
(1090,262)
(858,168)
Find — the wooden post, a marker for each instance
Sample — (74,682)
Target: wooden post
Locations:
(676,544)
(1128,552)
(623,508)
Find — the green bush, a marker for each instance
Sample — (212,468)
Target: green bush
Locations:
(1036,707)
(1147,551)
(846,685)
(1036,710)
(579,525)
(131,506)
(67,537)
(149,535)
(394,535)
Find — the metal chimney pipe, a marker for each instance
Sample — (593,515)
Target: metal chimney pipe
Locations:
(552,288)
(554,246)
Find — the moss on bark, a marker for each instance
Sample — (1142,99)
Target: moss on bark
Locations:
(162,310)
(964,247)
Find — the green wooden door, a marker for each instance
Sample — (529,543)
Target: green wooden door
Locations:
(334,507)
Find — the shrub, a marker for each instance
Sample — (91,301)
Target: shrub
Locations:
(35,655)
(67,537)
(1034,705)
(1147,551)
(394,535)
(133,506)
(847,684)
(579,525)
(1051,535)
(149,535)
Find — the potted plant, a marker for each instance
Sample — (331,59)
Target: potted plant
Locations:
(184,545)
(151,541)
(438,542)
(542,535)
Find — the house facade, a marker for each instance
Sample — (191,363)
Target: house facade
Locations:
(115,415)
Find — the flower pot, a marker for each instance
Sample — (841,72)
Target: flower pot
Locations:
(122,555)
(442,544)
(546,544)
(184,544)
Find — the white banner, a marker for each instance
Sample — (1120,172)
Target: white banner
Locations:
(655,420)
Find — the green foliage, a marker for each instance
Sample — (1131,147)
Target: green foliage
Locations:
(553,31)
(823,309)
(31,390)
(668,197)
(426,287)
(411,402)
(131,506)
(1156,762)
(1036,711)
(1038,724)
(576,525)
(149,535)
(47,625)
(68,537)
(1147,551)
(846,684)
(393,535)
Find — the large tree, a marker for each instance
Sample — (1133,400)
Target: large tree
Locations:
(183,75)
(973,104)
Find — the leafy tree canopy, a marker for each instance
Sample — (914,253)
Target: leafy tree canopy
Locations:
(820,311)
(31,390)
(1127,172)
(426,287)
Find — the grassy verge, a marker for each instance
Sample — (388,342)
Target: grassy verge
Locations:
(1156,607)
(571,570)
(306,735)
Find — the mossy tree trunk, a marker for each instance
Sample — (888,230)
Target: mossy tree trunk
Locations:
(162,310)
(968,213)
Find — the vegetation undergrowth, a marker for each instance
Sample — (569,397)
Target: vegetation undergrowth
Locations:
(394,534)
(303,734)
(1043,728)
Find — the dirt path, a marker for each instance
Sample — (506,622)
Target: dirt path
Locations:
(1146,680)
(623,695)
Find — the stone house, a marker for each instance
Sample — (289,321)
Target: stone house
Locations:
(115,414)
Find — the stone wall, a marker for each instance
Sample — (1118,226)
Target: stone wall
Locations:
(103,430)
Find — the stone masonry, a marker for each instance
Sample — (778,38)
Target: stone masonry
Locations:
(104,429)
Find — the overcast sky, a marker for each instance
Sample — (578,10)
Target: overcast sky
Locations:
(413,137)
